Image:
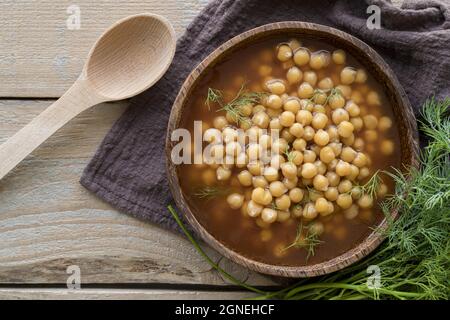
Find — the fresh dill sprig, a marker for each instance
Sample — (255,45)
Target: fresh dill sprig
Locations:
(209,192)
(305,240)
(213,96)
(290,156)
(371,187)
(233,108)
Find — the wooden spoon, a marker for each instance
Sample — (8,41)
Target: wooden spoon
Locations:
(127,59)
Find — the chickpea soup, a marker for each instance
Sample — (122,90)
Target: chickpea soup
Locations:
(298,132)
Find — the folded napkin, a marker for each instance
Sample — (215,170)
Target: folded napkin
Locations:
(128,169)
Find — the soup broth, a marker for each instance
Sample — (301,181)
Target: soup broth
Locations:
(336,130)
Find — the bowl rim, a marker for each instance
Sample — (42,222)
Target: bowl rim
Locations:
(343,260)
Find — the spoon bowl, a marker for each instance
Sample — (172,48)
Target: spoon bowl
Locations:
(127,59)
(131,56)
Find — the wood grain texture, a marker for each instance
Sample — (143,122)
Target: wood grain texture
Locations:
(48,221)
(41,57)
(122,294)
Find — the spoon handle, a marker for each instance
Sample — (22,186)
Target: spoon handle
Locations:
(77,99)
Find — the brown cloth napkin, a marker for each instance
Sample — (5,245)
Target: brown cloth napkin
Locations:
(128,170)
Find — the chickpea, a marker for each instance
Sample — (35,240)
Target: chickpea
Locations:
(309,170)
(387,147)
(327,154)
(309,156)
(299,144)
(333,178)
(343,168)
(287,118)
(301,56)
(351,212)
(320,97)
(283,216)
(261,196)
(353,109)
(360,160)
(274,101)
(308,133)
(319,60)
(254,209)
(385,123)
(297,157)
(326,83)
(321,167)
(361,76)
(276,87)
(321,138)
(307,105)
(357,123)
(365,201)
(208,177)
(258,108)
(246,109)
(289,170)
(337,148)
(339,115)
(348,154)
(283,202)
(294,75)
(339,56)
(358,144)
(310,77)
(306,182)
(286,135)
(265,235)
(371,135)
(280,145)
(255,168)
(321,205)
(296,130)
(345,129)
(277,188)
(269,215)
(344,200)
(345,186)
(336,101)
(319,121)
(271,174)
(370,121)
(332,193)
(354,172)
(382,190)
(223,173)
(294,43)
(284,53)
(309,211)
(296,195)
(333,133)
(316,228)
(363,173)
(220,122)
(264,70)
(373,98)
(275,124)
(305,90)
(229,134)
(276,161)
(290,183)
(304,117)
(235,200)
(292,105)
(297,211)
(357,97)
(245,178)
(259,181)
(320,183)
(348,75)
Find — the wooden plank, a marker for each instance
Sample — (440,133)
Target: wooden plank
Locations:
(41,57)
(122,294)
(48,221)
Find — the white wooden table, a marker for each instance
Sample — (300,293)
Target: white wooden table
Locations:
(48,222)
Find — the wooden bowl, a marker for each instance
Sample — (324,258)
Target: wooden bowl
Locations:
(405,121)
